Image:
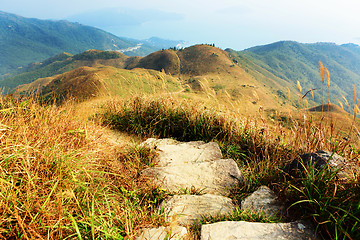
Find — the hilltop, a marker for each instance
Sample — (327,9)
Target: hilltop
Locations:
(204,71)
(26,40)
(257,75)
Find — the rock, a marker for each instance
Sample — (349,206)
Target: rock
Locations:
(262,200)
(172,152)
(215,177)
(321,159)
(154,143)
(185,209)
(256,231)
(173,233)
(188,152)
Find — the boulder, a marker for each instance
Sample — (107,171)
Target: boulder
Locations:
(160,233)
(262,200)
(186,209)
(257,231)
(320,160)
(215,177)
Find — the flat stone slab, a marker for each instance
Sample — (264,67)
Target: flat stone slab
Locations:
(215,177)
(171,152)
(256,231)
(160,233)
(155,143)
(185,209)
(262,200)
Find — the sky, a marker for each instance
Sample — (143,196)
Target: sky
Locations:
(236,24)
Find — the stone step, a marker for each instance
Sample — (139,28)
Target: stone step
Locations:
(186,209)
(257,231)
(263,200)
(171,152)
(215,177)
(162,233)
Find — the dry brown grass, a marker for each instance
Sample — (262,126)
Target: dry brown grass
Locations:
(59,177)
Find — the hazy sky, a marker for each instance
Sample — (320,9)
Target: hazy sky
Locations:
(237,24)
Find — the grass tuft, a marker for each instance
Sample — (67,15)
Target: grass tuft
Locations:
(59,178)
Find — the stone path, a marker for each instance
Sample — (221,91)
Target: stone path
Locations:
(198,167)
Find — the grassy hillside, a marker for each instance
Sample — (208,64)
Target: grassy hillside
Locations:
(27,40)
(66,176)
(92,82)
(292,61)
(260,78)
(65,62)
(204,71)
(261,150)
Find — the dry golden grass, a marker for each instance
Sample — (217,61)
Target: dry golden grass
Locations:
(60,177)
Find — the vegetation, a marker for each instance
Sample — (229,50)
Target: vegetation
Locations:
(293,61)
(61,179)
(27,40)
(261,152)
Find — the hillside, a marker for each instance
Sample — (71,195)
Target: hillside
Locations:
(75,164)
(293,61)
(26,40)
(205,71)
(85,83)
(65,62)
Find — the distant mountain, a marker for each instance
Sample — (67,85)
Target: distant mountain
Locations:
(198,60)
(27,40)
(260,76)
(293,61)
(204,70)
(164,44)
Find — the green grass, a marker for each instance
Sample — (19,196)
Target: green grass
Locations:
(60,179)
(235,215)
(335,207)
(187,121)
(332,205)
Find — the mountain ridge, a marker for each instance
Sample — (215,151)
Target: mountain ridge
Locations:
(293,61)
(26,40)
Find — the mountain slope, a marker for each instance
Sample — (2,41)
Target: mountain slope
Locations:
(26,40)
(65,62)
(90,82)
(292,61)
(205,71)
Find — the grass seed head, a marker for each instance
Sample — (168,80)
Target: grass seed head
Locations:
(298,85)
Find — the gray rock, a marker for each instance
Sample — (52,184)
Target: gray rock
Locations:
(256,231)
(320,160)
(172,152)
(154,143)
(188,152)
(215,177)
(185,209)
(162,233)
(262,200)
